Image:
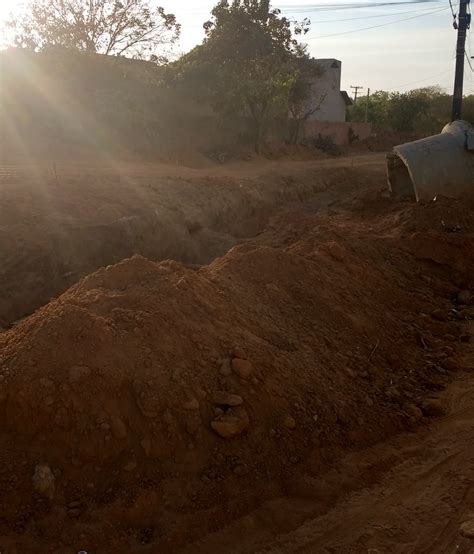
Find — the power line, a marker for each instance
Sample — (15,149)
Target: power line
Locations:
(377,26)
(452,10)
(468,60)
(318,21)
(348,5)
(422,80)
(327,7)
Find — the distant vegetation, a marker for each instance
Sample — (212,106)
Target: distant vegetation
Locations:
(424,111)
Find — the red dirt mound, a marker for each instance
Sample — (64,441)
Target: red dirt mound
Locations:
(152,403)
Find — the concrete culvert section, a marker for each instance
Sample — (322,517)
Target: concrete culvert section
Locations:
(439,165)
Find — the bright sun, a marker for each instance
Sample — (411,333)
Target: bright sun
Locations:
(7,7)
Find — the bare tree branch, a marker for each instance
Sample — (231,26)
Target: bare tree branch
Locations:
(114,27)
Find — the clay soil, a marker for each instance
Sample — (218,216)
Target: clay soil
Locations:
(299,381)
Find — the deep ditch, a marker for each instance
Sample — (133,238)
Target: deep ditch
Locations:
(192,221)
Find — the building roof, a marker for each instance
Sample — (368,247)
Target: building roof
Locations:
(347,99)
(328,63)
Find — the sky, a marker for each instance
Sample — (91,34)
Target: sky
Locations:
(411,45)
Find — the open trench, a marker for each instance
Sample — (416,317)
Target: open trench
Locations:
(54,231)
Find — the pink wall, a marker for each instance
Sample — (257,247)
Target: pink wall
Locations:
(338,130)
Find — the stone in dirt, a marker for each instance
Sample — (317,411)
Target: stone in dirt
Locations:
(76,373)
(232,423)
(118,427)
(243,368)
(146,445)
(223,398)
(241,470)
(192,404)
(414,412)
(289,422)
(432,407)
(44,481)
(225,368)
(439,315)
(239,353)
(467,529)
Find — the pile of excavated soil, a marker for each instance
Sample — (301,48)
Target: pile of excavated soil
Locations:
(153,403)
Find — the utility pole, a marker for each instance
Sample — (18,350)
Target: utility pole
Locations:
(356,92)
(367,106)
(462,25)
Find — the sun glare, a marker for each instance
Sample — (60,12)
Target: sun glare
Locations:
(7,7)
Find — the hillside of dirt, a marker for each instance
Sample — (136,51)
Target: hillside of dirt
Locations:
(153,405)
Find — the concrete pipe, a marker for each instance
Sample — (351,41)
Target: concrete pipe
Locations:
(439,165)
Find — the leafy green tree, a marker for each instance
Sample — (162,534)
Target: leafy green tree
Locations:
(115,27)
(404,109)
(247,62)
(424,110)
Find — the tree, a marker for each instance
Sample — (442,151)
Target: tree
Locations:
(303,98)
(405,108)
(114,27)
(247,61)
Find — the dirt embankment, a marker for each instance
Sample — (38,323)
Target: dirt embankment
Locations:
(153,404)
(61,223)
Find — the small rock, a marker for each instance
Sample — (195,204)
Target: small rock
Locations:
(239,353)
(192,404)
(226,368)
(118,427)
(243,368)
(465,297)
(49,401)
(146,445)
(450,364)
(223,398)
(439,315)
(75,512)
(467,529)
(234,422)
(432,407)
(392,392)
(44,481)
(414,412)
(130,466)
(46,383)
(349,371)
(289,422)
(74,504)
(241,470)
(218,412)
(76,373)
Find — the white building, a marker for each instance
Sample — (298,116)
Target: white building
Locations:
(331,102)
